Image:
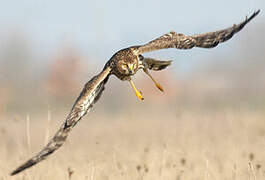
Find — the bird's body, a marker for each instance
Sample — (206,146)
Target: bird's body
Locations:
(123,58)
(124,64)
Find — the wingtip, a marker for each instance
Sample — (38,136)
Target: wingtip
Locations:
(254,14)
(24,166)
(257,11)
(14,172)
(248,19)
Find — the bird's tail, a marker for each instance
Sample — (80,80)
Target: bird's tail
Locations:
(156,65)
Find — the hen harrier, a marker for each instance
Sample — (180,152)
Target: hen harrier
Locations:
(124,64)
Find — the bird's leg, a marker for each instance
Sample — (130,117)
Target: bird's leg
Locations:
(138,93)
(156,83)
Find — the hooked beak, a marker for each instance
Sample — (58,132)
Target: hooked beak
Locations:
(130,68)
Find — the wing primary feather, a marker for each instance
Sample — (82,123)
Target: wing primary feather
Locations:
(87,98)
(181,41)
(212,39)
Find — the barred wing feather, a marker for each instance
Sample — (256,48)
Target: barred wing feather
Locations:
(88,97)
(206,40)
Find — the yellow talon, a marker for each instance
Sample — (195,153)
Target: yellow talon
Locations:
(156,83)
(138,93)
(159,87)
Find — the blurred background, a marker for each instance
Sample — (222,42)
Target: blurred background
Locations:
(209,121)
(49,49)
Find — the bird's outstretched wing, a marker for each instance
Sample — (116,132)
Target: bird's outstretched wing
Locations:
(181,41)
(89,95)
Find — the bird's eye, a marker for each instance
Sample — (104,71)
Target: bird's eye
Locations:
(124,66)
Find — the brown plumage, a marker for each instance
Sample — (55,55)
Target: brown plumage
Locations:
(89,95)
(124,64)
(206,40)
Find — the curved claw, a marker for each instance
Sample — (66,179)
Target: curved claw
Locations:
(156,83)
(159,87)
(138,93)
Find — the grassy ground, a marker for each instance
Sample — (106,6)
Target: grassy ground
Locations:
(150,144)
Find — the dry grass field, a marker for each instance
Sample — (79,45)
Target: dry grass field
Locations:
(149,143)
(209,124)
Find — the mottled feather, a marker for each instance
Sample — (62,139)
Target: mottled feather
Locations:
(129,57)
(88,97)
(206,40)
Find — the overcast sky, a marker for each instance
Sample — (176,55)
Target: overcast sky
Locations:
(100,28)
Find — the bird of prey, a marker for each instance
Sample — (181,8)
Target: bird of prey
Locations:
(124,64)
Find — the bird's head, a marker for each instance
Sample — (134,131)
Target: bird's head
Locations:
(127,67)
(127,62)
